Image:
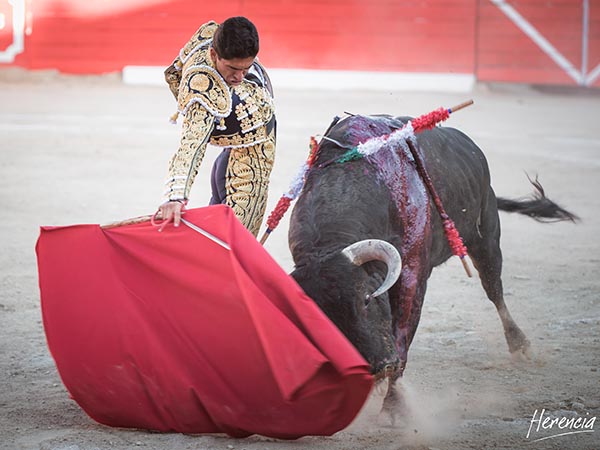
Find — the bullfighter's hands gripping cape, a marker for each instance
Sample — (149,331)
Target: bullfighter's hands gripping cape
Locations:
(171,331)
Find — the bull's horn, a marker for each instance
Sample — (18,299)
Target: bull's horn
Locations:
(376,250)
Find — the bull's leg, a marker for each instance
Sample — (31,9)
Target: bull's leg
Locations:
(394,405)
(487,259)
(409,304)
(414,213)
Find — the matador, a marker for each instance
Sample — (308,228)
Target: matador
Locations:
(225,97)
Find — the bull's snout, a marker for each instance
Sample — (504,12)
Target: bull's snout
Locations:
(385,370)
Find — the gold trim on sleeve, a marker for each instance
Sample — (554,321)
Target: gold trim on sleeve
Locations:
(183,167)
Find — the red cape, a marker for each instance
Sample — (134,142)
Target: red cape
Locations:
(171,331)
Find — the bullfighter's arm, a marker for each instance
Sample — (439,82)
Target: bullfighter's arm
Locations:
(197,127)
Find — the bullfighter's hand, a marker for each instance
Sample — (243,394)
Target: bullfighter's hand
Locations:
(171,211)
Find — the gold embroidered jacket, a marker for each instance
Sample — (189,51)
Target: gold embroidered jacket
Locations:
(240,118)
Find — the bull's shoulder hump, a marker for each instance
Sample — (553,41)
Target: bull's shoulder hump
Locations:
(447,141)
(448,133)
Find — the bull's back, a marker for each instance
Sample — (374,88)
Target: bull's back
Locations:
(448,150)
(346,202)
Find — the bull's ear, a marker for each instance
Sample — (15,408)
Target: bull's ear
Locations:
(376,250)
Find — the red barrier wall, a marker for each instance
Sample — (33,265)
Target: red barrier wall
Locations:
(386,35)
(539,41)
(482,37)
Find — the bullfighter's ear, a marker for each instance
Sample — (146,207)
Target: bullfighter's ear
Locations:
(213,55)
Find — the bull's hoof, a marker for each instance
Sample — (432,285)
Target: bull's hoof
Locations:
(522,355)
(518,344)
(520,348)
(387,418)
(397,416)
(390,416)
(394,410)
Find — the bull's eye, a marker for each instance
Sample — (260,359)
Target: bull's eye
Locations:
(368,299)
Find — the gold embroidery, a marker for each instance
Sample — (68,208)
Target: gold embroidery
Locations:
(173,78)
(200,82)
(238,140)
(204,33)
(246,124)
(255,107)
(200,38)
(208,30)
(240,110)
(203,84)
(247,182)
(184,164)
(222,103)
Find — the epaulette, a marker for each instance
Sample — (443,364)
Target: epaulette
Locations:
(200,39)
(203,84)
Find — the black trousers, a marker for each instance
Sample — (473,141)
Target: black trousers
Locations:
(217,178)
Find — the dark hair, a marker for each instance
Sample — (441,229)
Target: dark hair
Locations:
(235,38)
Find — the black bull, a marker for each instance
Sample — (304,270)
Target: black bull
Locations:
(383,197)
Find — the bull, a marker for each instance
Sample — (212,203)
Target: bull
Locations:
(365,237)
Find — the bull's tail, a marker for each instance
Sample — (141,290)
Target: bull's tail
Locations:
(538,206)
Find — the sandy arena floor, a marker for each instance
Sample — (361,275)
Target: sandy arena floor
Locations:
(92,150)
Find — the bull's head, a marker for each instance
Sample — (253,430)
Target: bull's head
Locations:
(351,287)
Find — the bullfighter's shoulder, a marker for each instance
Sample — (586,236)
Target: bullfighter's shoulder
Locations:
(203,84)
(201,39)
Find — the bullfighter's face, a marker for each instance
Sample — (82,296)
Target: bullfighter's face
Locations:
(234,70)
